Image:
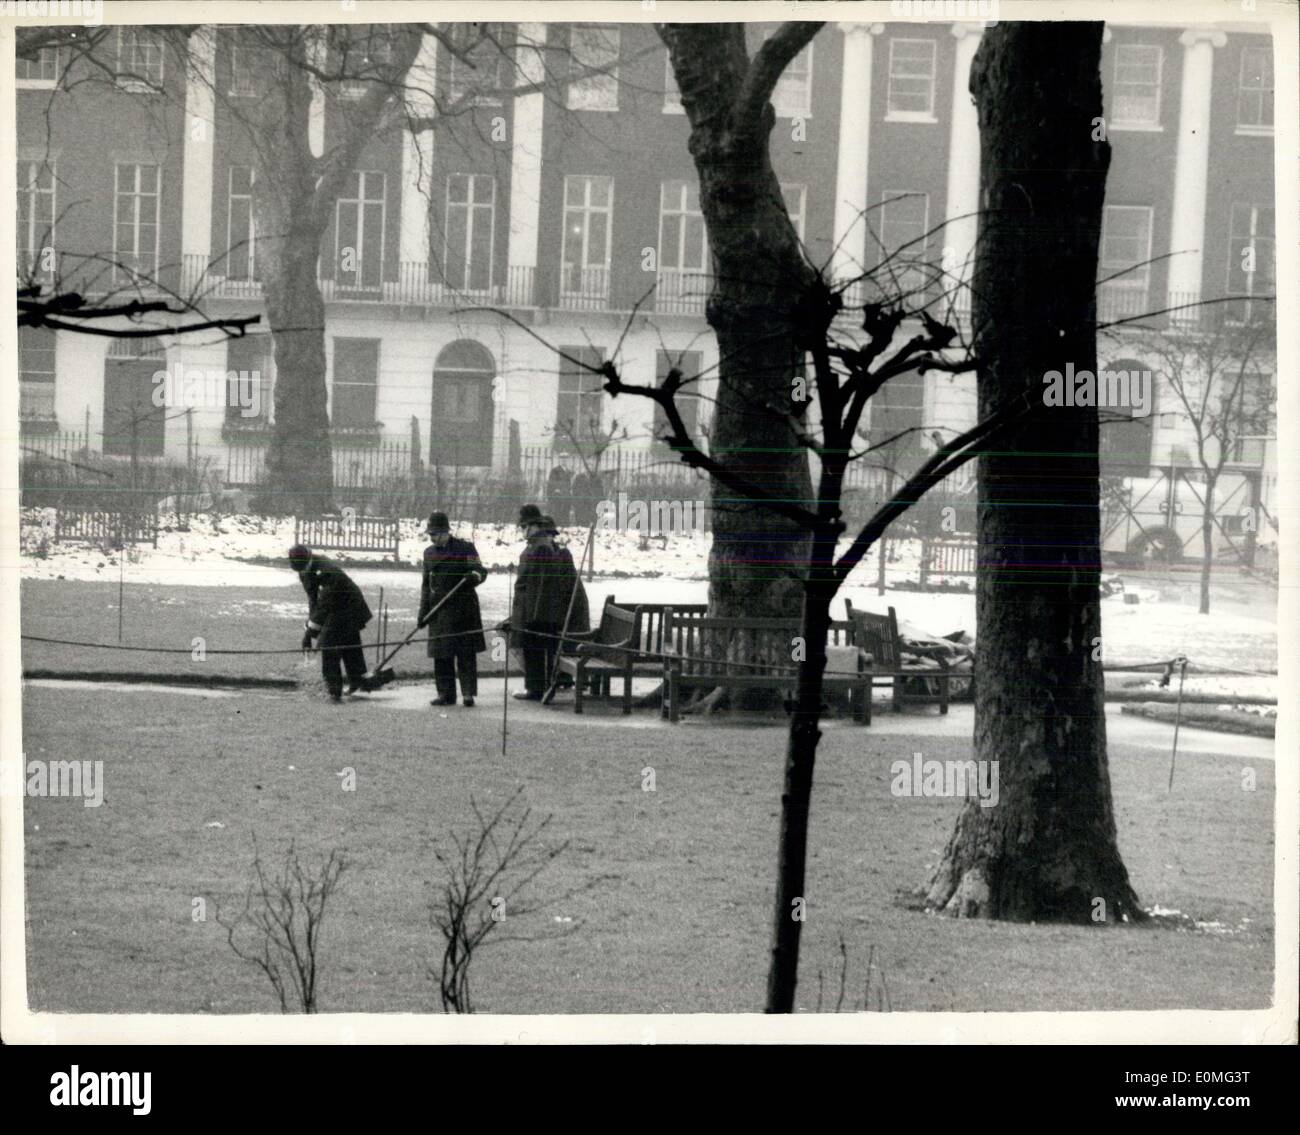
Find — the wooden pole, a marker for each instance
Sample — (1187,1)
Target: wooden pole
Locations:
(505,673)
(1178,720)
(549,696)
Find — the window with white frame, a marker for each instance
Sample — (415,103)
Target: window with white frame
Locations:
(910,91)
(1125,255)
(1252,264)
(241,261)
(356,383)
(36,373)
(1136,91)
(584,255)
(593,56)
(250,370)
(246,61)
(359,234)
(795,196)
(40,71)
(137,193)
(898,413)
(682,244)
(139,57)
(479,65)
(35,217)
(579,396)
(470,231)
(1255,89)
(672,93)
(904,227)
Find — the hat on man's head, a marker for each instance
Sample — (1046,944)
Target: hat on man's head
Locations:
(438,522)
(529,514)
(299,555)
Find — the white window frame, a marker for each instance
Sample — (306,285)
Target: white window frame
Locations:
(1264,92)
(137,195)
(897,115)
(473,211)
(32,235)
(905,272)
(141,80)
(231,198)
(1151,124)
(457,72)
(236,49)
(674,201)
(33,382)
(46,55)
(798,216)
(586,210)
(1234,268)
(358,204)
(1138,281)
(336,382)
(598,92)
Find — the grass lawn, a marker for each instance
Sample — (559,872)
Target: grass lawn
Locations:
(679,918)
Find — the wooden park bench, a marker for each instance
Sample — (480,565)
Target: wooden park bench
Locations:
(750,654)
(339,533)
(877,636)
(608,652)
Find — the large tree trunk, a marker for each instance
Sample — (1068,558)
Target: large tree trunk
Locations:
(757,559)
(1047,850)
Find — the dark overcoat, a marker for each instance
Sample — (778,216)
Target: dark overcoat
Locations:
(337,607)
(547,580)
(443,569)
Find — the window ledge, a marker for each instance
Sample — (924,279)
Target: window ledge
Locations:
(910,116)
(1137,127)
(1253,131)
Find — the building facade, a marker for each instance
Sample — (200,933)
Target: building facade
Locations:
(572,205)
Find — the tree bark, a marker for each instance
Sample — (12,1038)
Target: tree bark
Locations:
(1207,541)
(757,559)
(1047,850)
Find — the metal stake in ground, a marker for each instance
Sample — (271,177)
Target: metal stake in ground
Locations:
(1181,663)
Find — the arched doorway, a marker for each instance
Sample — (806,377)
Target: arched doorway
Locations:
(461,420)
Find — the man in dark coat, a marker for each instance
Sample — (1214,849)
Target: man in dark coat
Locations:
(337,614)
(547,590)
(456,631)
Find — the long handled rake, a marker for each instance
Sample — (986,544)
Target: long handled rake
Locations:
(549,696)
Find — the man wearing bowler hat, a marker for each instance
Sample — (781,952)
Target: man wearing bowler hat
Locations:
(456,630)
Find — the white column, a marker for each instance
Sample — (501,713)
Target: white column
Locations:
(1191,168)
(963,168)
(417,172)
(196,178)
(850,223)
(526,151)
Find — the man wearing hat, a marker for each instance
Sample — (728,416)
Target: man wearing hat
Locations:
(548,591)
(456,630)
(528,514)
(338,612)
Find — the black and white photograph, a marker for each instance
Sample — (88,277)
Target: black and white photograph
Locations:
(650,522)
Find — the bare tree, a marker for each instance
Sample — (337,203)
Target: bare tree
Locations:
(1221,373)
(283,918)
(487,876)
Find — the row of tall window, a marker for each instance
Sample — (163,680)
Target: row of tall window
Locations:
(481,66)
